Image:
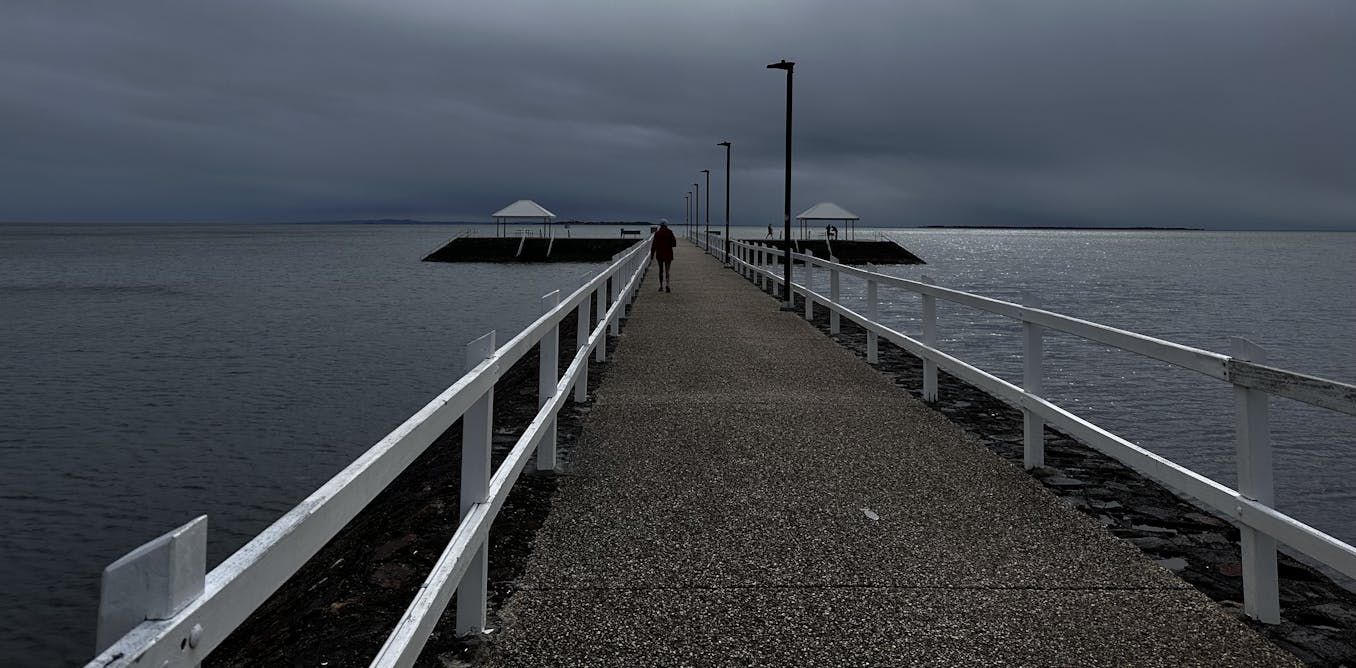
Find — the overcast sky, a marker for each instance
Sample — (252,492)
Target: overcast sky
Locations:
(1222,114)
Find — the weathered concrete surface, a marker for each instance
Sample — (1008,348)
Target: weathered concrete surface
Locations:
(718,514)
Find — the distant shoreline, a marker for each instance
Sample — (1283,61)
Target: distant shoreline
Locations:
(407,221)
(404,221)
(1062,227)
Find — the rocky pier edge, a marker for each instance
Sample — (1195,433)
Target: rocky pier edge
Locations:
(1318,615)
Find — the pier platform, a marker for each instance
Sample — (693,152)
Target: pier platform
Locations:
(529,249)
(847,251)
(747,492)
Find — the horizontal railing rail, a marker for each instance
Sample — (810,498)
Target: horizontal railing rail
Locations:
(1250,506)
(159,608)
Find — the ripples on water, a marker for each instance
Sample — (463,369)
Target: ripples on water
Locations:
(154,373)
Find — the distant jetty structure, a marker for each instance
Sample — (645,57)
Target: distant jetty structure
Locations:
(529,245)
(845,248)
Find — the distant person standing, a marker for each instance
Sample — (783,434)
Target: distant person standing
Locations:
(662,250)
(769,230)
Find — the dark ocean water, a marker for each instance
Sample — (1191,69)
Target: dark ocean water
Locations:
(153,373)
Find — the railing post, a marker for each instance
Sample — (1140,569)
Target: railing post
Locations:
(477,425)
(581,337)
(632,269)
(833,297)
(872,314)
(809,285)
(548,375)
(769,264)
(762,265)
(599,308)
(638,271)
(154,581)
(1033,425)
(613,292)
(618,289)
(1261,589)
(929,338)
(774,261)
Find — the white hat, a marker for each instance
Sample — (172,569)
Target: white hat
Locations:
(663,221)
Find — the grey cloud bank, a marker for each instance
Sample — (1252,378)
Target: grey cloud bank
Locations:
(1204,114)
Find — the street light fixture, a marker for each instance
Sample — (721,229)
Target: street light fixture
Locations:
(786,216)
(697,209)
(726,144)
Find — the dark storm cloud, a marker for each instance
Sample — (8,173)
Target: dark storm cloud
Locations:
(1221,114)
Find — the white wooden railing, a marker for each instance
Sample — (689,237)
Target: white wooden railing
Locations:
(159,607)
(1250,506)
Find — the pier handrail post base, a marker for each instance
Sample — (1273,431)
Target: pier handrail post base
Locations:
(477,426)
(929,338)
(154,581)
(548,375)
(809,285)
(581,338)
(834,322)
(599,309)
(1261,588)
(613,295)
(1033,425)
(762,265)
(872,314)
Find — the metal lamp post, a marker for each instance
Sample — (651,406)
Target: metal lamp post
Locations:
(687,212)
(707,172)
(697,208)
(726,144)
(786,218)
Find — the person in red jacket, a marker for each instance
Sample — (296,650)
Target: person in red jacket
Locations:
(662,250)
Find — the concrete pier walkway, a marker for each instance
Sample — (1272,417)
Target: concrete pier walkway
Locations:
(749,493)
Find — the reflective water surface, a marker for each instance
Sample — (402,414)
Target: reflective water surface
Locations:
(154,373)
